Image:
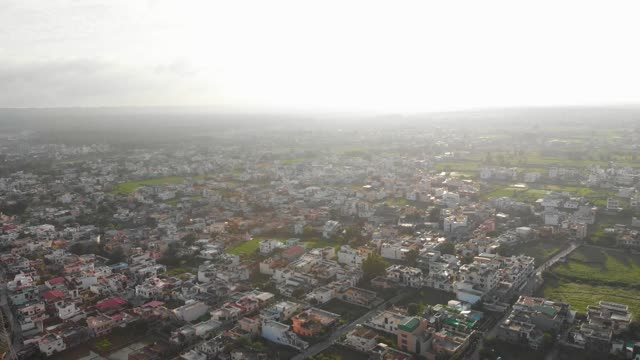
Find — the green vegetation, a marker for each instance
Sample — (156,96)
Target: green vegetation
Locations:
(374,266)
(104,345)
(177,271)
(247,247)
(606,267)
(541,251)
(526,195)
(132,186)
(397,202)
(534,161)
(535,192)
(581,295)
(317,242)
(427,296)
(593,274)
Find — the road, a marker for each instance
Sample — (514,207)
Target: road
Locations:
(13,323)
(547,264)
(324,344)
(572,246)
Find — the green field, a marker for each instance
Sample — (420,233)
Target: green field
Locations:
(397,202)
(607,267)
(524,195)
(579,296)
(247,247)
(535,192)
(541,251)
(251,246)
(533,161)
(132,186)
(592,274)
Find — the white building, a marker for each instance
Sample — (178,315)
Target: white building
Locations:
(280,333)
(192,310)
(405,275)
(352,257)
(269,245)
(330,229)
(51,344)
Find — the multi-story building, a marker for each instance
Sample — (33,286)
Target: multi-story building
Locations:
(405,275)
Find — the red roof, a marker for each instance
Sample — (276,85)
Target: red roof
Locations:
(56,281)
(53,295)
(294,250)
(153,304)
(107,304)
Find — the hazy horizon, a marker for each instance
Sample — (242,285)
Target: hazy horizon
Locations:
(287,56)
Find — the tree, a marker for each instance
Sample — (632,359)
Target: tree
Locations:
(412,309)
(434,215)
(373,266)
(116,256)
(447,248)
(189,239)
(308,231)
(412,257)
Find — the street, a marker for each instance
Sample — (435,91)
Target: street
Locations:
(492,332)
(321,346)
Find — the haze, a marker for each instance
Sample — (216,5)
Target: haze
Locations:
(324,55)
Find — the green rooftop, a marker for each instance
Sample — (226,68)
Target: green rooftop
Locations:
(409,325)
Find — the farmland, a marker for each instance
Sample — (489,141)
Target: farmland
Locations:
(592,274)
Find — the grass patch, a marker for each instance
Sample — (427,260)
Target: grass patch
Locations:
(397,202)
(579,296)
(177,271)
(246,248)
(314,243)
(524,195)
(596,265)
(131,186)
(593,274)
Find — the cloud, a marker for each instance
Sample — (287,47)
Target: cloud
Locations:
(93,82)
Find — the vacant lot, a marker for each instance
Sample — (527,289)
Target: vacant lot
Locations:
(338,352)
(348,312)
(427,296)
(132,186)
(541,251)
(593,274)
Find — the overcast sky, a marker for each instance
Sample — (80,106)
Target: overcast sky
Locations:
(347,55)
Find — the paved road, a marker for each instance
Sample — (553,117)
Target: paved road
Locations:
(321,346)
(492,332)
(558,256)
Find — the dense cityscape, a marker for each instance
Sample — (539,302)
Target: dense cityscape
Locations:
(374,238)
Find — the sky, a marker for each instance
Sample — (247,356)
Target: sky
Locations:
(349,55)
